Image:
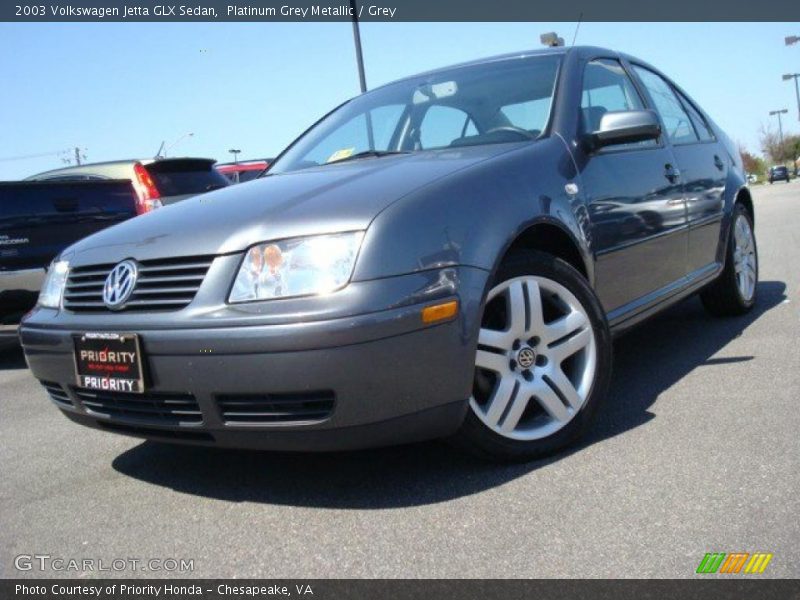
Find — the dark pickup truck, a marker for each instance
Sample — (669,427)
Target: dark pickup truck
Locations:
(44,214)
(38,219)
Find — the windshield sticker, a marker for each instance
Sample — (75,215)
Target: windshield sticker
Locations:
(340,154)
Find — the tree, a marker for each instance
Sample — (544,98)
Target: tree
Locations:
(777,152)
(752,163)
(793,147)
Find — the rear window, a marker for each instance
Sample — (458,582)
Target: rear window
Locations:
(175,178)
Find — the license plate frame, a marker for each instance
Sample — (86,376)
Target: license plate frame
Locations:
(109,362)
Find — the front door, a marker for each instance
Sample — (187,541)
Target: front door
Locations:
(635,199)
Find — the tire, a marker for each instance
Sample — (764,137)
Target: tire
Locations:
(728,296)
(539,378)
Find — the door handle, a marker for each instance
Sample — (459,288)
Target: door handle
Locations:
(671,173)
(718,162)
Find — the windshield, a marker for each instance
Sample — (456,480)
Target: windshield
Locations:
(490,103)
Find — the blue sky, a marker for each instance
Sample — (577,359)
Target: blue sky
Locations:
(119,89)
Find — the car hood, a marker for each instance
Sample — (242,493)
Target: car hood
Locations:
(327,199)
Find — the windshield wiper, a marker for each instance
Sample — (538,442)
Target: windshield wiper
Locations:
(368,154)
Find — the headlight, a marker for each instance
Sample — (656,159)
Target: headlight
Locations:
(297,267)
(54,282)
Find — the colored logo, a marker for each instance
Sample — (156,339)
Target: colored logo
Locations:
(736,562)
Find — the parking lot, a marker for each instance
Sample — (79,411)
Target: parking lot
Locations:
(697,450)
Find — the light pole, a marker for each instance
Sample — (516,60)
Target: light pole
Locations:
(172,145)
(795,76)
(235,152)
(780,112)
(362,78)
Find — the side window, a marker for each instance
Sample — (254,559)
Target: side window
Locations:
(441,125)
(700,125)
(606,88)
(677,122)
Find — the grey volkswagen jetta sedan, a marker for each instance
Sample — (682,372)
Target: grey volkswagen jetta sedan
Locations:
(448,255)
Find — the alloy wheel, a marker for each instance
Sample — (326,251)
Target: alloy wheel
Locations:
(536,359)
(744,257)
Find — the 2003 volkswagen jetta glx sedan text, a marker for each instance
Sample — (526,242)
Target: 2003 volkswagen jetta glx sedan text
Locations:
(445,256)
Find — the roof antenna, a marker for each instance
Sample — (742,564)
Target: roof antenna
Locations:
(577,28)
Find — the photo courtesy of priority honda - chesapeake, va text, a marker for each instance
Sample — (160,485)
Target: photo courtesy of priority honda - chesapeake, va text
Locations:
(446,256)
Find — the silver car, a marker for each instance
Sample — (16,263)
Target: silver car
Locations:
(446,256)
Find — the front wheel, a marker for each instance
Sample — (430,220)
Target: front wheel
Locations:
(543,362)
(734,291)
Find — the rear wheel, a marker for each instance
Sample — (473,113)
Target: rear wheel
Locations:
(734,291)
(543,361)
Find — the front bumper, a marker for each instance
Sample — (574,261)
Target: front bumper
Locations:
(388,377)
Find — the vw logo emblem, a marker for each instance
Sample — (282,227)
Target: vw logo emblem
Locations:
(526,357)
(119,284)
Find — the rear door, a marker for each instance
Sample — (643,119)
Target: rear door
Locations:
(703,163)
(178,179)
(635,199)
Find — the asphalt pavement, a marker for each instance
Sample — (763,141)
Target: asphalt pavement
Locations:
(697,450)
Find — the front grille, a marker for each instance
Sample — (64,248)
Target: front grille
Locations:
(168,284)
(276,408)
(57,394)
(156,408)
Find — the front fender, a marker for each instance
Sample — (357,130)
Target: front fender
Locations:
(472,217)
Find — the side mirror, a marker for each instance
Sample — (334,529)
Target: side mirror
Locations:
(625,127)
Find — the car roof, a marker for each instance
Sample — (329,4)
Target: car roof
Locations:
(253,165)
(91,167)
(511,56)
(560,50)
(243,163)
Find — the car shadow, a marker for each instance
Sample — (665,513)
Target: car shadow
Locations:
(11,358)
(434,472)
